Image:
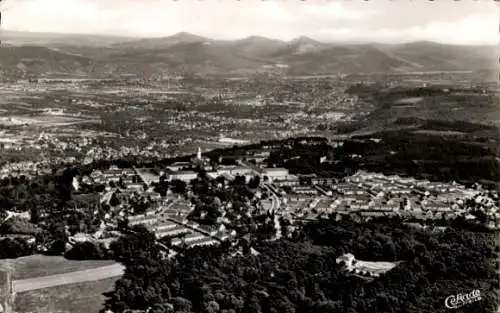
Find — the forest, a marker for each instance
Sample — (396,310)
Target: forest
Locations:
(301,275)
(397,152)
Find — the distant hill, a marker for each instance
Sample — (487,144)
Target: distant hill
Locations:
(188,53)
(36,59)
(306,45)
(161,43)
(435,56)
(50,39)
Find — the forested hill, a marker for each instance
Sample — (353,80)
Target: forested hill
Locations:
(301,275)
(190,54)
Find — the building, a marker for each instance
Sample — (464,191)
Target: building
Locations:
(147,176)
(172,231)
(290,181)
(177,166)
(185,176)
(135,187)
(304,190)
(205,241)
(189,238)
(199,160)
(165,227)
(235,170)
(365,268)
(323,180)
(232,141)
(142,219)
(275,173)
(348,259)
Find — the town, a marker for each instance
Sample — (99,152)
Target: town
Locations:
(202,202)
(249,157)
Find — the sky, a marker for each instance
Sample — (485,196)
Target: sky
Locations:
(474,22)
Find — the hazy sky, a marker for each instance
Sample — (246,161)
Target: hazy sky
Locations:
(461,22)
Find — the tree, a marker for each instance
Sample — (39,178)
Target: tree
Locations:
(252,305)
(15,247)
(162,308)
(114,201)
(212,307)
(480,215)
(181,304)
(302,275)
(239,180)
(178,186)
(254,182)
(34,214)
(85,251)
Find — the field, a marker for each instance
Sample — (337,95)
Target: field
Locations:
(75,298)
(43,121)
(40,265)
(83,297)
(375,267)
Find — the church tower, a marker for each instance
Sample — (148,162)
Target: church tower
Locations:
(199,160)
(198,154)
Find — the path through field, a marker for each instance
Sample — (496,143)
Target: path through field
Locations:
(98,273)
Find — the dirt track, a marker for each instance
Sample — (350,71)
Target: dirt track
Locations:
(98,273)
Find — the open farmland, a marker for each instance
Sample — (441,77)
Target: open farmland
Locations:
(84,297)
(40,265)
(44,121)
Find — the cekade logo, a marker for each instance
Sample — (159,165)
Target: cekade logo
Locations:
(461,299)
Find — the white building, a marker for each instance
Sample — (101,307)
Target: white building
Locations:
(186,176)
(348,260)
(178,166)
(275,173)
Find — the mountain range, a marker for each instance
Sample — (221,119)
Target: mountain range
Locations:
(186,53)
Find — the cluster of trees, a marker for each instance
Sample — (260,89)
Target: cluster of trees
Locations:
(22,194)
(17,225)
(122,249)
(211,197)
(52,234)
(400,152)
(300,157)
(459,222)
(235,201)
(15,247)
(88,251)
(301,275)
(443,159)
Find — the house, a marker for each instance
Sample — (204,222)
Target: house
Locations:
(177,166)
(172,231)
(150,195)
(291,181)
(148,176)
(142,219)
(85,201)
(164,227)
(372,214)
(135,186)
(323,180)
(304,190)
(193,238)
(275,173)
(347,259)
(235,170)
(205,241)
